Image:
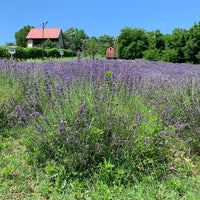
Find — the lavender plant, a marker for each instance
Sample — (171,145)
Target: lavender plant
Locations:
(80,114)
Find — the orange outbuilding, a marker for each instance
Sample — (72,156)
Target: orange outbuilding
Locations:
(110,52)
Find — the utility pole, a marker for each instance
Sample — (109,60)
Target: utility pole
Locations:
(43,26)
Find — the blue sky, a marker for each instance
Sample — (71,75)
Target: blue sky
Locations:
(99,17)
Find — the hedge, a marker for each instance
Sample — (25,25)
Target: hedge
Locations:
(34,53)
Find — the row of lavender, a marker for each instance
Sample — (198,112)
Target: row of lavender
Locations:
(81,113)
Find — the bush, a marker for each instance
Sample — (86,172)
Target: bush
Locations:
(4,52)
(34,53)
(152,54)
(21,53)
(170,55)
(53,53)
(98,126)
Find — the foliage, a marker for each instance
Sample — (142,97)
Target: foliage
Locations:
(92,47)
(156,40)
(50,44)
(4,52)
(151,54)
(180,46)
(20,36)
(21,53)
(170,55)
(10,44)
(34,53)
(104,42)
(74,39)
(53,53)
(179,38)
(131,43)
(99,129)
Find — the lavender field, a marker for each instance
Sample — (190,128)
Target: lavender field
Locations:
(118,120)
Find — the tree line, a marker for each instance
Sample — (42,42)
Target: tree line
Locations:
(132,43)
(180,46)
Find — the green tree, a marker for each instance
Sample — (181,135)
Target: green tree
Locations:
(123,41)
(170,55)
(92,47)
(105,41)
(131,43)
(156,40)
(192,47)
(74,39)
(179,39)
(151,54)
(10,44)
(20,36)
(168,41)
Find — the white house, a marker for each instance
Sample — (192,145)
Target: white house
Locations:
(37,35)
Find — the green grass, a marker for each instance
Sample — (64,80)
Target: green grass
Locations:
(21,179)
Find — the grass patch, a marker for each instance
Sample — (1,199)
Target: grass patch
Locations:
(21,179)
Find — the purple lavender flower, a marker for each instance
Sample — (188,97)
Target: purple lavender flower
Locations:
(38,128)
(20,123)
(62,130)
(36,114)
(56,141)
(50,148)
(87,146)
(82,108)
(68,140)
(33,102)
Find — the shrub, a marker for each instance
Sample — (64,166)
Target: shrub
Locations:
(170,55)
(54,53)
(34,53)
(4,52)
(21,53)
(152,54)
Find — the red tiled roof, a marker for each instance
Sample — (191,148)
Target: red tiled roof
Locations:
(49,33)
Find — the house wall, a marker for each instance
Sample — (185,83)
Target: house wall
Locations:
(29,43)
(38,42)
(60,41)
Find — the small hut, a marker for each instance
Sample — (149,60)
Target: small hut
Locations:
(110,52)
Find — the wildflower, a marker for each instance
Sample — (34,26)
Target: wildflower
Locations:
(82,108)
(56,141)
(50,148)
(87,146)
(97,146)
(68,140)
(114,88)
(34,103)
(62,130)
(20,123)
(38,128)
(36,114)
